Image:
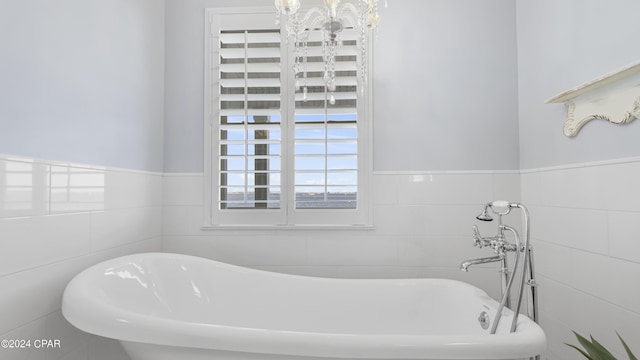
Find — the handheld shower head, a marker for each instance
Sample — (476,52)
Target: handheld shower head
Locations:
(484,216)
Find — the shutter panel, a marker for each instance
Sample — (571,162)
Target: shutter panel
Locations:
(250,133)
(326,141)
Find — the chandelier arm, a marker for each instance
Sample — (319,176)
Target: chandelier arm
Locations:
(349,12)
(298,28)
(372,6)
(317,22)
(318,13)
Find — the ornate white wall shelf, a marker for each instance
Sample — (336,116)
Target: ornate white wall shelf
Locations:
(614,97)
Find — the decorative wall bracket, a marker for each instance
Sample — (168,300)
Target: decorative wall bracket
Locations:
(614,97)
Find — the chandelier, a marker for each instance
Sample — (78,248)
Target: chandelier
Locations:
(336,16)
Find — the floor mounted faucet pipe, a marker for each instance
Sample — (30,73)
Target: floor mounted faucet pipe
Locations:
(506,294)
(525,264)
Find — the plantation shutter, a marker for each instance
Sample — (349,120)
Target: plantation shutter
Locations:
(277,156)
(250,134)
(326,128)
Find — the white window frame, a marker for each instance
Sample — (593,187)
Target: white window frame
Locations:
(287,217)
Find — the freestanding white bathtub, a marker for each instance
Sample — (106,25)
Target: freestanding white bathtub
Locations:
(167,306)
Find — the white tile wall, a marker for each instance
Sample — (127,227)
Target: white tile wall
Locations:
(422,229)
(55,220)
(624,228)
(25,187)
(585,231)
(584,226)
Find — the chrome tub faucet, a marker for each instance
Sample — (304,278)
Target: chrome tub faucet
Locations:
(523,257)
(465,265)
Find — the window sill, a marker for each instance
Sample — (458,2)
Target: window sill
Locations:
(287,227)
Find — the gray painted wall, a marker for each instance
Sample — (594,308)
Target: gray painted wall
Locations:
(184,73)
(83,81)
(562,44)
(445,85)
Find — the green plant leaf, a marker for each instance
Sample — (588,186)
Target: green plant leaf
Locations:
(587,347)
(595,350)
(601,349)
(581,351)
(626,348)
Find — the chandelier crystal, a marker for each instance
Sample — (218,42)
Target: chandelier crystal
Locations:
(336,16)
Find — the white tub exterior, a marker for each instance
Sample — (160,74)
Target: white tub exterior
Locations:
(167,306)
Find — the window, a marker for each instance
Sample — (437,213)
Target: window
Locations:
(280,150)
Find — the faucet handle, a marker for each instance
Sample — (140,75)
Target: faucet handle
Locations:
(477,238)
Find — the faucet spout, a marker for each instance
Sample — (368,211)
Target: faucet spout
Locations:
(465,265)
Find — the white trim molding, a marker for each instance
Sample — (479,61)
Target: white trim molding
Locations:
(614,97)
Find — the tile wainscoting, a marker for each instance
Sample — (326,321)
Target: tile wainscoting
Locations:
(422,228)
(55,220)
(585,228)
